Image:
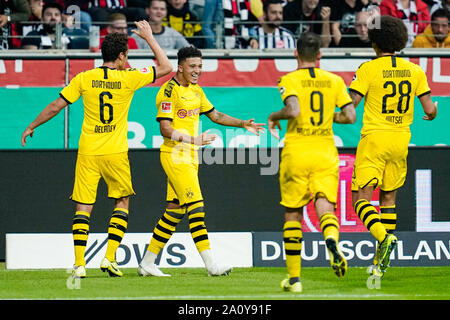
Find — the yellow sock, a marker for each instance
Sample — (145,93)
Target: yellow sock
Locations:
(371,219)
(330,226)
(117,228)
(292,239)
(80,232)
(388,218)
(165,228)
(196,213)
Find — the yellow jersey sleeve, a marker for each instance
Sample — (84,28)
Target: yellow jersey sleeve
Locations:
(360,83)
(342,96)
(206,106)
(165,102)
(138,78)
(285,88)
(72,92)
(422,83)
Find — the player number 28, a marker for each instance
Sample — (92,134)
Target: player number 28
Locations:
(104,105)
(404,89)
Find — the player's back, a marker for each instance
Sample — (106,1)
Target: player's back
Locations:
(107,95)
(318,92)
(389,85)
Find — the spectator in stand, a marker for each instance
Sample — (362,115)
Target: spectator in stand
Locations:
(414,13)
(343,15)
(438,4)
(33,21)
(236,24)
(166,37)
(100,10)
(117,23)
(11,11)
(85,19)
(180,18)
(309,15)
(212,13)
(437,34)
(360,39)
(44,37)
(270,34)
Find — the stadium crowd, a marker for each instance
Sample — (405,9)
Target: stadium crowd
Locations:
(215,24)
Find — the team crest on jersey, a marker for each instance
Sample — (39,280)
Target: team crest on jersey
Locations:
(166,107)
(144,70)
(189,193)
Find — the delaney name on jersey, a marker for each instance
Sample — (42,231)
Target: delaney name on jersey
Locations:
(105,129)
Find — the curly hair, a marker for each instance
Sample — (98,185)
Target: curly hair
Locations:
(113,45)
(390,35)
(188,52)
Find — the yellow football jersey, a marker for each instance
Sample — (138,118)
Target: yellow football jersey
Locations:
(388,85)
(107,95)
(318,92)
(183,107)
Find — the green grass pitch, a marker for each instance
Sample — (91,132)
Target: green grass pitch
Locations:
(399,283)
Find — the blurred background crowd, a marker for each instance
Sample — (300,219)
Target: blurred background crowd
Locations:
(217,24)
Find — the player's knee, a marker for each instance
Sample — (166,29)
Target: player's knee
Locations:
(387,198)
(122,202)
(173,205)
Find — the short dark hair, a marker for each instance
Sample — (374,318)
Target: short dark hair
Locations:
(267,3)
(390,36)
(440,13)
(113,45)
(52,5)
(308,46)
(151,1)
(188,52)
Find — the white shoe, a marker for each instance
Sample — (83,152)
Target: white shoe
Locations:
(151,270)
(218,270)
(79,272)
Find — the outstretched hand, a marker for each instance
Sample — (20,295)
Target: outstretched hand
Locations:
(25,134)
(273,125)
(253,127)
(204,139)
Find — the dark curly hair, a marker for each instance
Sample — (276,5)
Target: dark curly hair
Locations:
(390,35)
(113,45)
(308,46)
(188,52)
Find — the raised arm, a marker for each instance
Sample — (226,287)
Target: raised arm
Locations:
(226,120)
(144,31)
(48,113)
(429,107)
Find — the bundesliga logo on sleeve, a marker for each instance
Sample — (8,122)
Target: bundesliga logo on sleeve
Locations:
(166,107)
(144,70)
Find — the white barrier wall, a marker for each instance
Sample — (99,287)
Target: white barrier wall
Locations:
(55,250)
